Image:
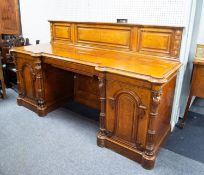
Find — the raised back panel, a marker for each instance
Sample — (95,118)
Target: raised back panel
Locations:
(157,41)
(105,36)
(62,32)
(152,40)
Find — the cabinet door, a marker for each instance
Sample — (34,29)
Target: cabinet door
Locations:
(10,17)
(30,79)
(126,115)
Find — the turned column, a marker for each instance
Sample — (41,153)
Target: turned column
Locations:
(102,90)
(149,154)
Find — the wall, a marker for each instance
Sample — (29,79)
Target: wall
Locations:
(201,30)
(35,14)
(34,17)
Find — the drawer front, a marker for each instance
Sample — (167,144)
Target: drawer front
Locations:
(71,66)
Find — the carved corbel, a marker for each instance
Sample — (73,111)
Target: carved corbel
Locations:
(102,91)
(156,97)
(39,84)
(177,43)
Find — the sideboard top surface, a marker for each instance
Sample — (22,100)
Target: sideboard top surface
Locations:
(129,64)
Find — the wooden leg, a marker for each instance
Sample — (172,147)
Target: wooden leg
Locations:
(3,86)
(3,89)
(186,111)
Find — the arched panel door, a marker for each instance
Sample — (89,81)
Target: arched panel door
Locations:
(127,111)
(125,114)
(28,82)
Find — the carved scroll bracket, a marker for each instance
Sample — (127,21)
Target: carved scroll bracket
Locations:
(177,43)
(156,97)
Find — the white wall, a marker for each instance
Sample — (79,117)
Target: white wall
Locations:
(36,13)
(201,30)
(34,17)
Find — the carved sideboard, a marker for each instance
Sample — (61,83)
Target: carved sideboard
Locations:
(127,71)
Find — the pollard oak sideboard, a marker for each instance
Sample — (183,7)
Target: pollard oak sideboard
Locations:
(127,71)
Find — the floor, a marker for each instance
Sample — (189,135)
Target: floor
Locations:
(189,142)
(198,106)
(64,143)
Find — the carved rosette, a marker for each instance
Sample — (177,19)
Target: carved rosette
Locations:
(177,43)
(102,90)
(39,84)
(156,96)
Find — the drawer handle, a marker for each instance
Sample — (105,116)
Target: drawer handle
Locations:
(112,102)
(142,111)
(142,107)
(75,76)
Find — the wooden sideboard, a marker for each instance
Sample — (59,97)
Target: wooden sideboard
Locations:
(127,71)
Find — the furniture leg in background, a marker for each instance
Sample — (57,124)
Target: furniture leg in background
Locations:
(197,85)
(3,86)
(186,111)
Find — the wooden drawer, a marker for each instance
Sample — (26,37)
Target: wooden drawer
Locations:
(71,66)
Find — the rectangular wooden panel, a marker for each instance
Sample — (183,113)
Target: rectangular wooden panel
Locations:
(62,32)
(86,90)
(155,41)
(107,36)
(59,86)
